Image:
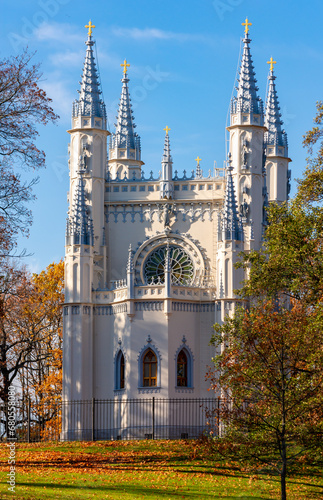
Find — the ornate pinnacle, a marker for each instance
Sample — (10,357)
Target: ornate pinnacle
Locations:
(198,168)
(247,100)
(130,267)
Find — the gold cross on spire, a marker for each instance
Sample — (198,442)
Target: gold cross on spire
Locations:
(89,26)
(271,62)
(198,159)
(167,129)
(246,24)
(125,66)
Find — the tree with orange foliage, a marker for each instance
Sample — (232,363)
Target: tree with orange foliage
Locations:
(31,337)
(41,319)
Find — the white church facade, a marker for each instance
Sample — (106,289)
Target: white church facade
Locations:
(149,263)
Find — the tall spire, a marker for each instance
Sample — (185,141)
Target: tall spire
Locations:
(166,184)
(89,102)
(247,100)
(79,228)
(230,221)
(275,135)
(125,136)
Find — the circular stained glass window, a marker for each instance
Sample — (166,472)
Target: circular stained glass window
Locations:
(182,268)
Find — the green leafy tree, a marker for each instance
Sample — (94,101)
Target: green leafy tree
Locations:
(270,376)
(270,363)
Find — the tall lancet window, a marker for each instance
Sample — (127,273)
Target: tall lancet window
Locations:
(149,369)
(120,371)
(182,380)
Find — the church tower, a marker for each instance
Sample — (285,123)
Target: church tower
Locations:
(247,147)
(85,255)
(276,145)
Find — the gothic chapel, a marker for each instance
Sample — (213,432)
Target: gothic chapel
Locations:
(149,263)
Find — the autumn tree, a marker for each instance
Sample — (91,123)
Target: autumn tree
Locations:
(270,376)
(15,217)
(30,327)
(41,319)
(23,106)
(310,187)
(270,363)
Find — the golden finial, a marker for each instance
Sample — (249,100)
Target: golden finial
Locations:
(246,24)
(89,26)
(271,62)
(198,159)
(167,129)
(125,65)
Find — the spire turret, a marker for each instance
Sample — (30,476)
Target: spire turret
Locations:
(125,147)
(125,135)
(198,173)
(90,102)
(275,135)
(166,183)
(247,100)
(79,228)
(231,226)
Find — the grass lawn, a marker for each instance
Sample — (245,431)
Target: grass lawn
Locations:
(140,469)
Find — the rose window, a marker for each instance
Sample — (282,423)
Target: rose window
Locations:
(182,268)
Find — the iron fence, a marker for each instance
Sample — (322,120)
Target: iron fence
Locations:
(114,419)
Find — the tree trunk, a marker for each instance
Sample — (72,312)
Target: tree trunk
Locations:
(283,483)
(283,470)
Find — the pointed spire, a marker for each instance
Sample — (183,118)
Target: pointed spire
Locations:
(198,173)
(247,100)
(125,136)
(275,135)
(166,184)
(89,102)
(79,229)
(167,156)
(231,224)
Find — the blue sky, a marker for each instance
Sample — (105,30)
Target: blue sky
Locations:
(184,56)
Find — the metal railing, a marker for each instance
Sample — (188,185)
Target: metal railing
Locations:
(114,419)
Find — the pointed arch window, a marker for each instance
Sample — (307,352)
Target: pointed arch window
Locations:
(120,371)
(149,369)
(182,362)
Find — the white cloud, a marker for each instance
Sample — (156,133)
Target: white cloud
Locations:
(157,34)
(68,58)
(58,32)
(61,95)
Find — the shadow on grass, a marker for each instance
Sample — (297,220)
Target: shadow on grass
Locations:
(123,464)
(138,490)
